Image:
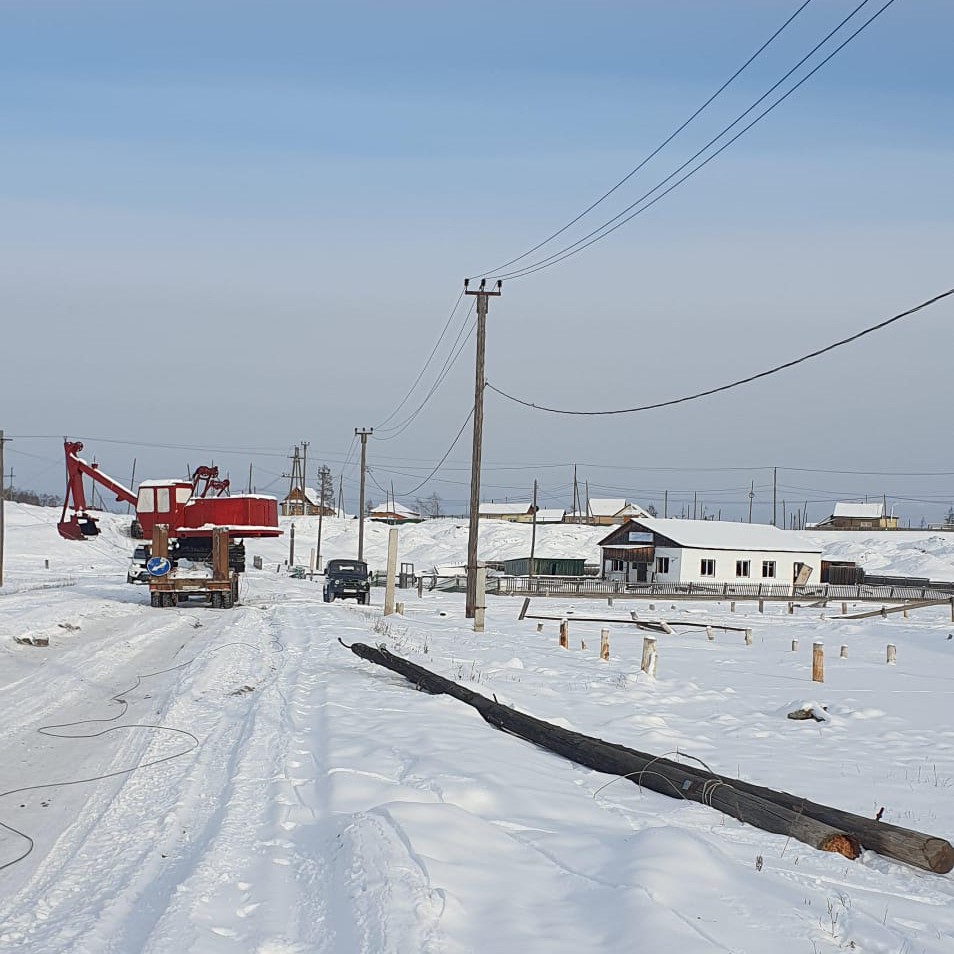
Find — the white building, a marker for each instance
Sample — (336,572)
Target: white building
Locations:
(517,511)
(652,550)
(610,510)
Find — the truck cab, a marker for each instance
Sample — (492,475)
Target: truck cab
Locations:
(347,579)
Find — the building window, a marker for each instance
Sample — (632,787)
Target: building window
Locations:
(662,564)
(743,568)
(617,566)
(768,568)
(707,567)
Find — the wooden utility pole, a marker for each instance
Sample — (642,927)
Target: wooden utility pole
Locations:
(774,496)
(363,433)
(132,482)
(576,497)
(340,495)
(665,503)
(483,296)
(533,534)
(304,479)
(3,494)
(324,481)
(250,477)
(751,498)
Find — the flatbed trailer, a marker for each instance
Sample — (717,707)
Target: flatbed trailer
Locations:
(220,590)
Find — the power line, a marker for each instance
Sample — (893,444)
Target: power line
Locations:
(621,218)
(449,363)
(414,490)
(655,151)
(430,357)
(733,384)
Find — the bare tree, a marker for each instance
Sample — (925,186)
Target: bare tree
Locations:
(430,507)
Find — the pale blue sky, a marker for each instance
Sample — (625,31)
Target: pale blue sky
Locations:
(266,210)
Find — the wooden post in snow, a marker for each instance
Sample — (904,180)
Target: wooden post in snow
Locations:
(748,637)
(648,662)
(392,570)
(480,598)
(843,652)
(818,662)
(604,644)
(564,634)
(891,655)
(794,645)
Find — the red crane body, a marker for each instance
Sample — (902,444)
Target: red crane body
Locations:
(189,512)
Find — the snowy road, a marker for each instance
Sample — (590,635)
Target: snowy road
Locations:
(311,802)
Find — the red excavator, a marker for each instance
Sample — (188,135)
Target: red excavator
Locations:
(191,509)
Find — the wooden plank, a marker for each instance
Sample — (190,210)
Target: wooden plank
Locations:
(823,827)
(663,626)
(904,607)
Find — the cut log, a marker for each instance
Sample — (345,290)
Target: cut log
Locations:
(821,826)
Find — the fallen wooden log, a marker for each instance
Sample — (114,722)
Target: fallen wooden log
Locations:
(820,826)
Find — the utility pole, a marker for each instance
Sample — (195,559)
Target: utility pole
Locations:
(363,433)
(304,479)
(483,296)
(324,483)
(340,495)
(665,503)
(3,494)
(576,498)
(533,533)
(774,496)
(250,477)
(132,482)
(751,498)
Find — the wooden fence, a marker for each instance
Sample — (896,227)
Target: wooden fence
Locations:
(584,586)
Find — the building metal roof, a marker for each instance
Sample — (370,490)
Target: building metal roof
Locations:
(503,509)
(721,535)
(859,511)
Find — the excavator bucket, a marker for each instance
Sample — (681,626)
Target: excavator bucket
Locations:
(77,528)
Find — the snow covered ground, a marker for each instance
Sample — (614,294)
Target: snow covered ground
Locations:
(292,798)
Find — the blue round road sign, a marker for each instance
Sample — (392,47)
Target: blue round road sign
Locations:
(158,566)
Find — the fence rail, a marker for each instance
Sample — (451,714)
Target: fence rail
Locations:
(581,586)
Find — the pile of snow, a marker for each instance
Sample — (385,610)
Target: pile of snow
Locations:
(296,798)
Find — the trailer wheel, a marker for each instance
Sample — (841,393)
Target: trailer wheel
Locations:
(227,601)
(216,599)
(155,599)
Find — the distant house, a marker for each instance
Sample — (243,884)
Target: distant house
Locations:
(544,515)
(293,506)
(707,551)
(605,511)
(544,566)
(393,513)
(859,516)
(515,512)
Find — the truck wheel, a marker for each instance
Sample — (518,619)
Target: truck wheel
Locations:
(154,599)
(216,599)
(227,601)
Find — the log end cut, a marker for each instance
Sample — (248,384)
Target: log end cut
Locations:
(939,854)
(843,845)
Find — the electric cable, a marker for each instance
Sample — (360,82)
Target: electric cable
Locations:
(430,357)
(621,218)
(440,463)
(449,363)
(655,151)
(733,384)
